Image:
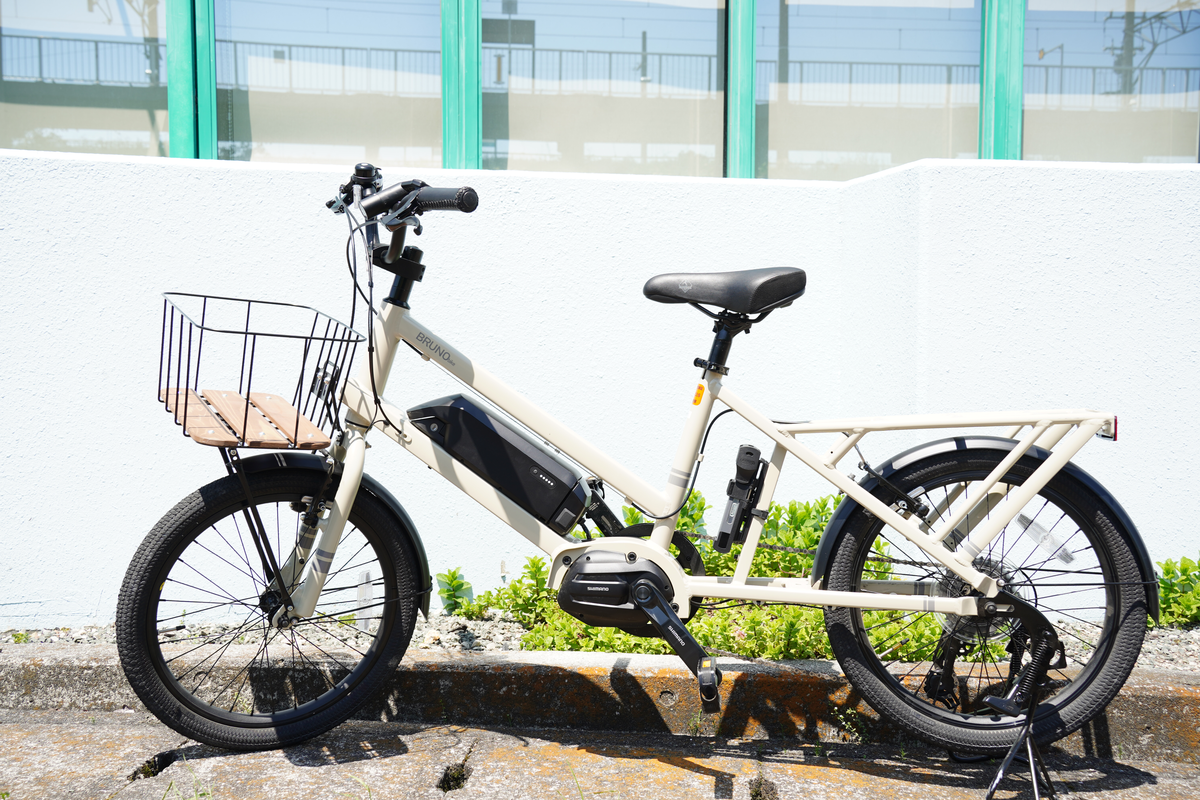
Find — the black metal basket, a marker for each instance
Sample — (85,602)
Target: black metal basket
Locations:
(259,347)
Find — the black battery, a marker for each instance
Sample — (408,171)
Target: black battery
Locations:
(520,468)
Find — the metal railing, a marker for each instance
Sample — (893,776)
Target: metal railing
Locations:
(526,70)
(845,83)
(52,59)
(318,69)
(1109,88)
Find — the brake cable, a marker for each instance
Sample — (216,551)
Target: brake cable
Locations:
(695,472)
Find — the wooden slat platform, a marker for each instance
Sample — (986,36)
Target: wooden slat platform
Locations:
(295,426)
(217,417)
(250,426)
(200,424)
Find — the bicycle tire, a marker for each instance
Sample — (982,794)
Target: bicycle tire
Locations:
(195,640)
(1066,553)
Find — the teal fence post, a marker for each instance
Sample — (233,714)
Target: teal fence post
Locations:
(191,79)
(462,92)
(206,79)
(739,90)
(1002,79)
(181,78)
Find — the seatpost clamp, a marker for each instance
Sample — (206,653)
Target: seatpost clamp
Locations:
(711,367)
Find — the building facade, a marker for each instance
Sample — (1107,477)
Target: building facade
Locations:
(801,89)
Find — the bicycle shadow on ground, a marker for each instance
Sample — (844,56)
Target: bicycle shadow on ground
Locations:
(806,709)
(931,769)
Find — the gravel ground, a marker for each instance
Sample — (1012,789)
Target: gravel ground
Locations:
(1164,648)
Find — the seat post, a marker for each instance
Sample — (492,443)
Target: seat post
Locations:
(725,328)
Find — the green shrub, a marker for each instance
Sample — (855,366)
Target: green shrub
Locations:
(1179,592)
(453,589)
(528,598)
(752,630)
(796,525)
(776,632)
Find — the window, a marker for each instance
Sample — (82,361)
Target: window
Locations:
(84,76)
(338,81)
(604,86)
(841,89)
(1111,80)
(849,87)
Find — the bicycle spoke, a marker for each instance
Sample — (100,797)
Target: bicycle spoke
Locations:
(321,650)
(219,593)
(241,538)
(208,641)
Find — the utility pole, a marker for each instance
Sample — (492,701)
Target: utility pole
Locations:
(151,21)
(782,70)
(1124,56)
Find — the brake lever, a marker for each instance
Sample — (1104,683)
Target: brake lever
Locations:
(395,218)
(411,222)
(397,243)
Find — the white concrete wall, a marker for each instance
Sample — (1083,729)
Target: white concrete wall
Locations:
(933,287)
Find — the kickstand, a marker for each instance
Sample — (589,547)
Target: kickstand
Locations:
(1025,694)
(1037,767)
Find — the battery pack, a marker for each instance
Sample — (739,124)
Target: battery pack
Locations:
(518,467)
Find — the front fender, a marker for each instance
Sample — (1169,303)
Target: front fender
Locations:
(308,461)
(833,531)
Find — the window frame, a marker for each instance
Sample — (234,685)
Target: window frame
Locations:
(192,82)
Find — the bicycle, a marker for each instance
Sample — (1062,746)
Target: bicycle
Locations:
(976,589)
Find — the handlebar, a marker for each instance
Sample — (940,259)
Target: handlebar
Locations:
(429,199)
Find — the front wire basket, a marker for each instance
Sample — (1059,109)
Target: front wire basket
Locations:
(210,341)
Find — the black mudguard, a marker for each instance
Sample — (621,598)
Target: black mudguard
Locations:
(309,461)
(833,531)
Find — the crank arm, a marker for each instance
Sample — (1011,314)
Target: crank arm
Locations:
(670,627)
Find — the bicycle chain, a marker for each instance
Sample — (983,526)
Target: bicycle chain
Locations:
(799,551)
(807,552)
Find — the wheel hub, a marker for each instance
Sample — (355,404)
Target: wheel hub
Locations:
(270,602)
(974,629)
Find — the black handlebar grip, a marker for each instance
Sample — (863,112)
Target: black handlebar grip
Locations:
(463,199)
(431,199)
(381,202)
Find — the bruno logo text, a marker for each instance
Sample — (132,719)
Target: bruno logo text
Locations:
(434,348)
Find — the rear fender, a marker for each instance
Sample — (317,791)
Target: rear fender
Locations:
(309,461)
(833,531)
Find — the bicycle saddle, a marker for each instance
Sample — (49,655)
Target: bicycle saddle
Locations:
(747,291)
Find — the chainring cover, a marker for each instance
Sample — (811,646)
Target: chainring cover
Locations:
(596,590)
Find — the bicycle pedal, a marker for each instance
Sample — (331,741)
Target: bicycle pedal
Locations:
(1003,705)
(670,627)
(708,676)
(1060,657)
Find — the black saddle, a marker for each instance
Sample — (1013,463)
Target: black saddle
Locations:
(747,291)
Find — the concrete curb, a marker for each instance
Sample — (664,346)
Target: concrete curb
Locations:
(1152,719)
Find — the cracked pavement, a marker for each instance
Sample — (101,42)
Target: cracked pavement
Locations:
(73,754)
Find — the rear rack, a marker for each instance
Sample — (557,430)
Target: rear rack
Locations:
(225,338)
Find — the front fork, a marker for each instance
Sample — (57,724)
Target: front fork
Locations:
(325,534)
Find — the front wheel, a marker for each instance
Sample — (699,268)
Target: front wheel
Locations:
(1065,553)
(194,617)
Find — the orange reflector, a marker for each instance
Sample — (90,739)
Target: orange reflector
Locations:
(699,394)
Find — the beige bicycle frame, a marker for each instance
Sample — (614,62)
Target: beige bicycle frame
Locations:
(1064,431)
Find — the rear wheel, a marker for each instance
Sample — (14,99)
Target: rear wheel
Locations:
(194,618)
(1065,553)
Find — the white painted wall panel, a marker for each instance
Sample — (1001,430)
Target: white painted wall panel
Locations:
(933,287)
